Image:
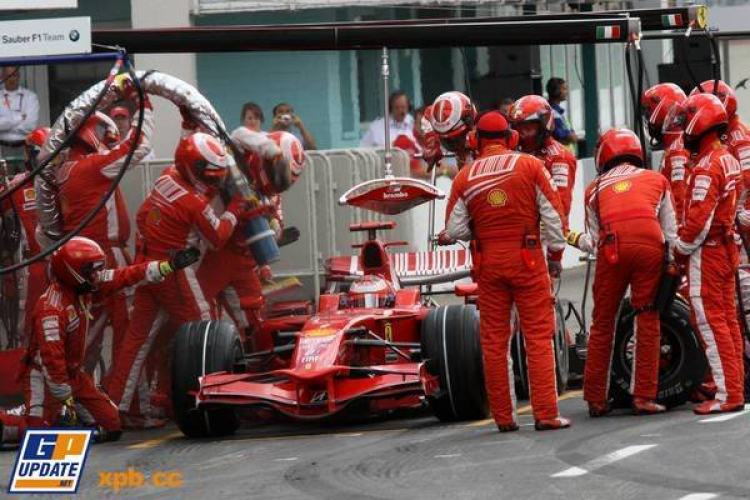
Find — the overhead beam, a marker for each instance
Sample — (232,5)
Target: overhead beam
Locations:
(344,36)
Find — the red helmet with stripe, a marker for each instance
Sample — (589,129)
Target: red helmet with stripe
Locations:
(697,116)
(453,116)
(532,117)
(203,161)
(656,103)
(617,146)
(293,152)
(98,133)
(724,92)
(76,264)
(33,145)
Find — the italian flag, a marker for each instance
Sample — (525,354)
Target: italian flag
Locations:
(607,32)
(672,20)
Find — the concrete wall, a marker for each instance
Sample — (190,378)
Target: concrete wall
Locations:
(152,14)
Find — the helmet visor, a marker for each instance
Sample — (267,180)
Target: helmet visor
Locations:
(675,120)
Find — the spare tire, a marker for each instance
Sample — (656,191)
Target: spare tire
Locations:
(452,351)
(561,352)
(200,348)
(682,364)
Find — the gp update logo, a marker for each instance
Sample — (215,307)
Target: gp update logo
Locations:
(50,461)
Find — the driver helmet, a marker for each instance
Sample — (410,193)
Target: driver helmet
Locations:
(371,292)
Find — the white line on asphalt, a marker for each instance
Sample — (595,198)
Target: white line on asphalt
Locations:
(699,496)
(452,455)
(604,460)
(726,416)
(650,435)
(290,459)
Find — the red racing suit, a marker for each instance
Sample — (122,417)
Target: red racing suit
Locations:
(707,239)
(676,167)
(230,275)
(55,356)
(499,201)
(561,164)
(31,280)
(84,180)
(175,216)
(630,215)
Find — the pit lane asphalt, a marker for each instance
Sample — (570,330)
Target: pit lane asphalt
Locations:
(673,456)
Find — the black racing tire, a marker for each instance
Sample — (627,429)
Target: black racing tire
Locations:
(682,364)
(520,367)
(452,350)
(203,347)
(562,352)
(562,356)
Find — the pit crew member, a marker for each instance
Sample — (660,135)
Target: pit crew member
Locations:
(175,216)
(32,279)
(55,385)
(498,200)
(532,117)
(656,102)
(630,217)
(707,247)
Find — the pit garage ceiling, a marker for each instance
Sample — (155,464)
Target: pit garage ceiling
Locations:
(223,6)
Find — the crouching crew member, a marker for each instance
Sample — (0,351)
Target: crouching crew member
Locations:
(499,200)
(630,217)
(55,385)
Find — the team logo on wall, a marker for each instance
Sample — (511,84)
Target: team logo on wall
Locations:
(50,461)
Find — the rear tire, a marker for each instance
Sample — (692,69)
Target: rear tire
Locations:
(562,352)
(452,350)
(682,364)
(200,348)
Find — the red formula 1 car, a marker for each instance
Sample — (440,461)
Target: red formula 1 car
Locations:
(374,343)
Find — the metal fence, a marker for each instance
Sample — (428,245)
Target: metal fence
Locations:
(312,206)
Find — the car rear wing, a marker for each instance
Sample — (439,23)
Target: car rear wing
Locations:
(411,268)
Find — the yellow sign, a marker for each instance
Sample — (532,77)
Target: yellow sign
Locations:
(622,187)
(319,332)
(497,198)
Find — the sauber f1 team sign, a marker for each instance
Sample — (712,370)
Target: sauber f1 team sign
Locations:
(45,37)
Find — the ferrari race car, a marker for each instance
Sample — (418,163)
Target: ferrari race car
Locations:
(375,341)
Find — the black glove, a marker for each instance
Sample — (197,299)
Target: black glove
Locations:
(288,236)
(184,258)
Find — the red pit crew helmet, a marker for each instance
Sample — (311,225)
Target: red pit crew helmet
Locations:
(98,133)
(76,264)
(724,92)
(656,103)
(453,117)
(697,116)
(293,152)
(617,146)
(202,160)
(371,292)
(532,117)
(34,142)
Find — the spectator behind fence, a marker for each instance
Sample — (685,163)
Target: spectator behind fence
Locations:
(19,108)
(284,118)
(557,92)
(252,116)
(401,123)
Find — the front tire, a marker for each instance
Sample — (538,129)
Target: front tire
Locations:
(452,350)
(200,348)
(682,364)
